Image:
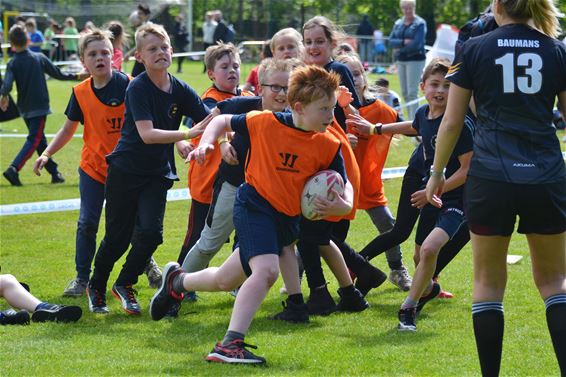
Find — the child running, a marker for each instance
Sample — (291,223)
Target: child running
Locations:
(142,168)
(28,69)
(266,211)
(436,225)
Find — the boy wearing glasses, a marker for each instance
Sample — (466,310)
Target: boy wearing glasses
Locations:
(223,68)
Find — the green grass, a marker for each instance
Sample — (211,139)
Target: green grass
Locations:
(39,249)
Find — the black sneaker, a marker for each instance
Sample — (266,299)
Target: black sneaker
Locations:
(57,313)
(407,319)
(295,313)
(320,302)
(12,317)
(234,352)
(351,302)
(57,178)
(127,296)
(165,297)
(431,296)
(368,278)
(12,175)
(96,300)
(173,311)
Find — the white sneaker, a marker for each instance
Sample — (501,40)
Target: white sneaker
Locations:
(401,278)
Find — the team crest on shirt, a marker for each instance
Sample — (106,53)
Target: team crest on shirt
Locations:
(173,110)
(433,142)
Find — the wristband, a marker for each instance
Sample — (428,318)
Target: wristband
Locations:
(187,135)
(434,173)
(378,128)
(46,154)
(372,129)
(222,139)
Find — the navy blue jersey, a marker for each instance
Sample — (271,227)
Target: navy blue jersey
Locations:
(515,73)
(240,126)
(234,174)
(145,101)
(428,129)
(416,161)
(112,94)
(347,80)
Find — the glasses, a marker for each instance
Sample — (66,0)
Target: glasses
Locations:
(277,88)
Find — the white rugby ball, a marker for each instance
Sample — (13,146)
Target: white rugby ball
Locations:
(320,184)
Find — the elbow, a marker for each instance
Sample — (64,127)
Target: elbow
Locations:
(147,138)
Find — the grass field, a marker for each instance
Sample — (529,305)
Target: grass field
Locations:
(39,249)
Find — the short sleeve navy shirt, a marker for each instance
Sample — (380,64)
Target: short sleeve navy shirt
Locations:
(515,73)
(145,101)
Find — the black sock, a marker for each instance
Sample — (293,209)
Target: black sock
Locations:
(231,336)
(297,299)
(395,265)
(177,284)
(556,321)
(488,329)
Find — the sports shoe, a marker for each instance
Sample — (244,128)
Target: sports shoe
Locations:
(12,317)
(443,293)
(407,318)
(369,277)
(57,313)
(320,302)
(165,297)
(57,178)
(432,295)
(173,311)
(76,288)
(234,352)
(127,296)
(401,278)
(351,302)
(190,296)
(153,273)
(295,313)
(12,175)
(96,300)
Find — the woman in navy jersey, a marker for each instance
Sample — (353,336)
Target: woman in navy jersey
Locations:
(515,73)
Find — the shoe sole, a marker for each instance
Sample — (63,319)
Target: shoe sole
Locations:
(404,328)
(217,358)
(130,312)
(64,315)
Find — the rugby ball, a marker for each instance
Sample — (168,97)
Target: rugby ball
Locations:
(321,184)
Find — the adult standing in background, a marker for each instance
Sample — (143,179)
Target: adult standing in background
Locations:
(407,39)
(139,17)
(180,39)
(208,28)
(365,29)
(222,32)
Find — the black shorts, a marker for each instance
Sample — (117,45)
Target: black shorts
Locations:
(320,232)
(449,218)
(492,206)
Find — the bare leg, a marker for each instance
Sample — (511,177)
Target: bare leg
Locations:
(490,268)
(549,263)
(334,259)
(290,270)
(16,295)
(265,270)
(224,278)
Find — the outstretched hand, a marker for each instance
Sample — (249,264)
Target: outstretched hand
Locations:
(343,96)
(39,164)
(199,153)
(358,124)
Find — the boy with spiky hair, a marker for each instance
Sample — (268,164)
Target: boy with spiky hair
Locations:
(142,168)
(267,210)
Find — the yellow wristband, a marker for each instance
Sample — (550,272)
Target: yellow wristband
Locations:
(372,129)
(222,139)
(187,135)
(46,154)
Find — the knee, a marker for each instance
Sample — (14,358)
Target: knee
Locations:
(267,275)
(549,283)
(7,281)
(147,238)
(428,253)
(87,229)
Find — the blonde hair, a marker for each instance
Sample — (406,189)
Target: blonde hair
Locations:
(70,21)
(354,58)
(311,83)
(270,66)
(291,33)
(543,13)
(216,52)
(150,28)
(94,35)
(331,31)
(411,3)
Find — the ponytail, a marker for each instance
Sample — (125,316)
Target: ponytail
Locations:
(543,13)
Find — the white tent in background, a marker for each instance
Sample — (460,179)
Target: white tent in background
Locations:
(443,47)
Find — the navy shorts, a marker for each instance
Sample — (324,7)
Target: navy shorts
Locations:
(448,218)
(320,232)
(260,228)
(492,207)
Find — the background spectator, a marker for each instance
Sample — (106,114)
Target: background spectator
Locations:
(365,29)
(70,43)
